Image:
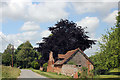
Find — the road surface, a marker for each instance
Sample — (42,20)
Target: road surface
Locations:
(30,75)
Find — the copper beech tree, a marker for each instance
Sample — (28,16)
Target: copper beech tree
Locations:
(65,35)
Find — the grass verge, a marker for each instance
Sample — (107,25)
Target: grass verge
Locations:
(9,72)
(55,75)
(50,74)
(107,76)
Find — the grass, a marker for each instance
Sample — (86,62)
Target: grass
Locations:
(9,72)
(107,76)
(115,70)
(50,74)
(55,75)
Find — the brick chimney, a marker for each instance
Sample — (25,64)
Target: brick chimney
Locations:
(51,59)
(50,67)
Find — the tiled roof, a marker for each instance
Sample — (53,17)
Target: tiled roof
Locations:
(61,56)
(68,55)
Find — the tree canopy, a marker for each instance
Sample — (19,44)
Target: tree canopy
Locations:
(7,56)
(25,55)
(65,35)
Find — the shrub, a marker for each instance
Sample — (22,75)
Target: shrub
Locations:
(45,67)
(84,73)
(15,65)
(91,73)
(60,74)
(79,74)
(35,65)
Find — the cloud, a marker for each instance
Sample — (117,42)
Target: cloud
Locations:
(17,39)
(30,26)
(30,35)
(90,22)
(41,12)
(95,48)
(111,18)
(5,40)
(92,51)
(100,7)
(45,33)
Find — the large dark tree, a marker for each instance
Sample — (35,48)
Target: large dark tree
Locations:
(65,36)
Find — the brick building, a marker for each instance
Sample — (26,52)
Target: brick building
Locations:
(69,63)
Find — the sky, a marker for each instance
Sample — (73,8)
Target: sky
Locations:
(22,20)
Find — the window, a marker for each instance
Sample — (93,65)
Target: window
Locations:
(78,65)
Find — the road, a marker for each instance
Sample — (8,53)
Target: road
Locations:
(30,75)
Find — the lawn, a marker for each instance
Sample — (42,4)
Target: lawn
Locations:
(50,74)
(9,72)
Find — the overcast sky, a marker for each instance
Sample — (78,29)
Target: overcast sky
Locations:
(29,20)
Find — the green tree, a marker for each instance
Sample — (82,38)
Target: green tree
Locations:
(25,55)
(45,66)
(109,55)
(7,56)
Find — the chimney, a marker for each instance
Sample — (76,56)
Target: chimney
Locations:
(51,59)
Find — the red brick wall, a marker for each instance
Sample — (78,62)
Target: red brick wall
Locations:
(50,68)
(90,66)
(57,69)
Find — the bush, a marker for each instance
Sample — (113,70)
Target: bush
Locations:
(35,65)
(101,72)
(15,65)
(91,73)
(84,73)
(79,74)
(45,67)
(21,67)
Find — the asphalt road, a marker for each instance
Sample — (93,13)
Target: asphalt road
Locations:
(30,75)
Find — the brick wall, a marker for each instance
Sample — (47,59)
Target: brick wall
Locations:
(90,66)
(69,69)
(78,58)
(57,69)
(50,68)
